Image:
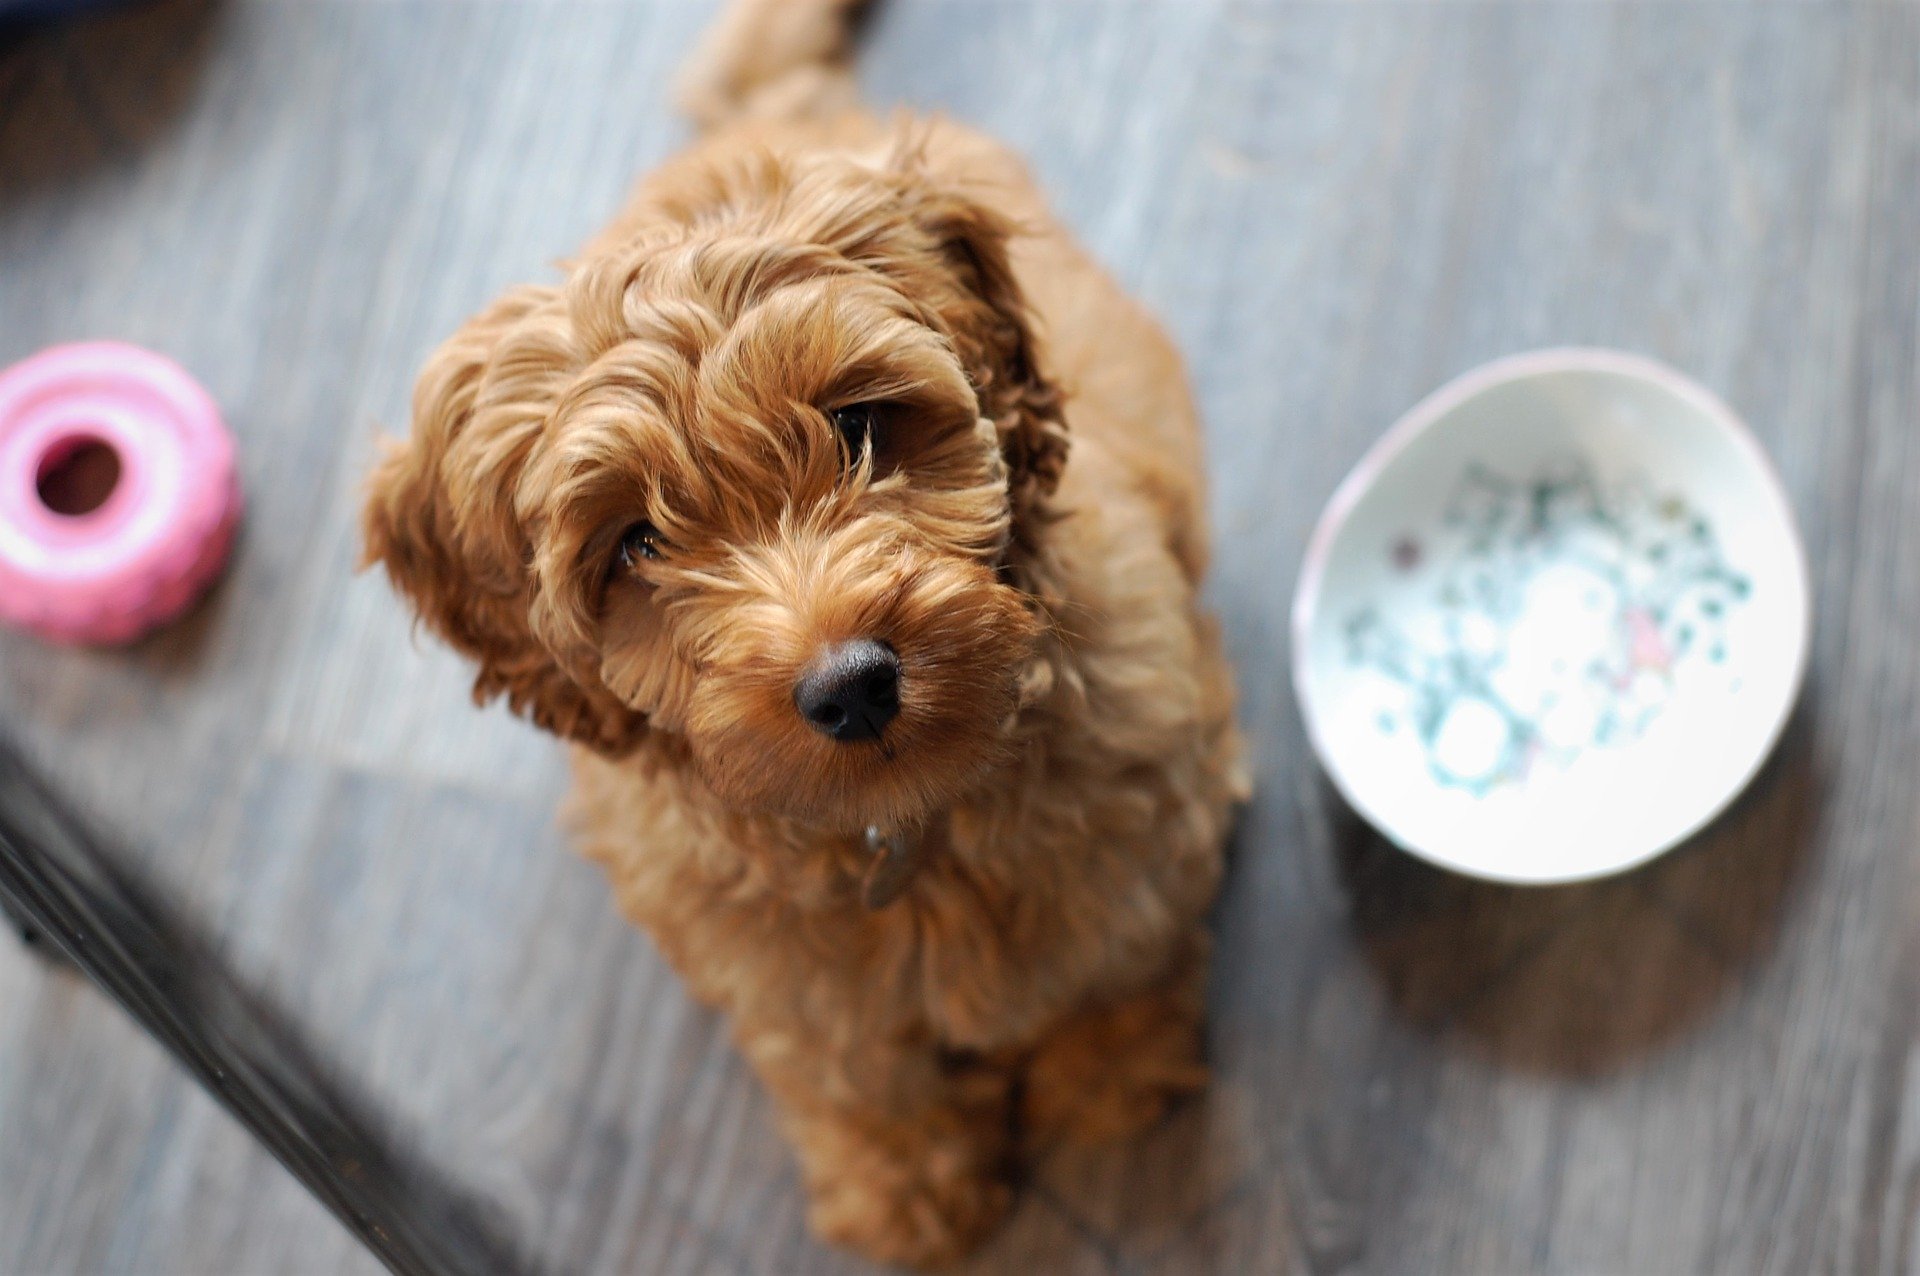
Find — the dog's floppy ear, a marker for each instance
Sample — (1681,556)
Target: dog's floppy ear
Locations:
(440,513)
(993,331)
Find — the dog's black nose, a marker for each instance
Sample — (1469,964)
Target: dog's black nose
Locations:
(851,691)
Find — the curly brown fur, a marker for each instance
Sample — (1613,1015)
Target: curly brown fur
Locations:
(1064,749)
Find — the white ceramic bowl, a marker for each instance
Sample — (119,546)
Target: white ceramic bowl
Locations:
(1554,621)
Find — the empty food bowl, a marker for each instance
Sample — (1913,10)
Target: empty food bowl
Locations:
(1554,621)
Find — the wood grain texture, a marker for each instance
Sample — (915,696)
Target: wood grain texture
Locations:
(1707,1066)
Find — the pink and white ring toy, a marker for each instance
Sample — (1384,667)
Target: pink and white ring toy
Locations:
(118,492)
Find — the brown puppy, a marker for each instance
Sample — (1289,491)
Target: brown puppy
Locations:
(903,735)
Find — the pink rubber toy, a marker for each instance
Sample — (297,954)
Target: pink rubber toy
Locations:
(109,572)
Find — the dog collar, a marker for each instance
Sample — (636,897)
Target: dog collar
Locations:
(896,857)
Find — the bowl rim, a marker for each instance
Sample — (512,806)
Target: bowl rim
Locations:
(1412,424)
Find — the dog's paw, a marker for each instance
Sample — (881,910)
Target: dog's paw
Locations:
(1108,1075)
(924,1215)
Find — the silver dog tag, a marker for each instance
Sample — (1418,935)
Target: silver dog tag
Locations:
(894,860)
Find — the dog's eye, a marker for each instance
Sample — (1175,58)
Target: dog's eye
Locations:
(639,543)
(858,425)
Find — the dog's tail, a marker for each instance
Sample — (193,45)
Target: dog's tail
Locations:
(772,59)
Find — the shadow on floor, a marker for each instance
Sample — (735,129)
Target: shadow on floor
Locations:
(77,92)
(1587,979)
(68,889)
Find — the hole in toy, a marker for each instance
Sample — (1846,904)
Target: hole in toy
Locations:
(77,476)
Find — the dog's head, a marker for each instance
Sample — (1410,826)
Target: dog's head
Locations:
(758,478)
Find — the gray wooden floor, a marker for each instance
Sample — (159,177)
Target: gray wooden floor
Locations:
(1708,1066)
